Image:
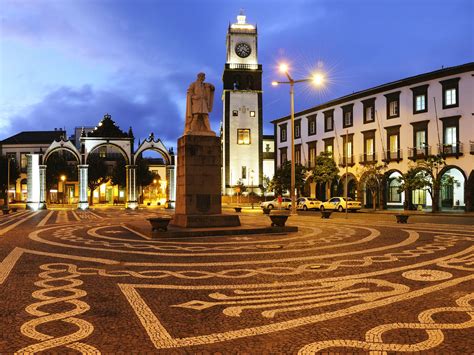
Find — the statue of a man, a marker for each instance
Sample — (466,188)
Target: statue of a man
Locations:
(199,100)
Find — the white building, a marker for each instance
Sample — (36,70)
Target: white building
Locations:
(397,123)
(245,154)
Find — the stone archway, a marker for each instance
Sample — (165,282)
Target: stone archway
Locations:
(452,194)
(470,192)
(157,145)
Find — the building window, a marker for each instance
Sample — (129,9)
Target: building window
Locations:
(393,143)
(420,98)
(369,110)
(252,113)
(311,125)
(297,129)
(312,154)
(420,140)
(451,143)
(298,154)
(283,131)
(393,104)
(103,152)
(235,113)
(243,136)
(347,115)
(393,195)
(11,156)
(23,161)
(329,146)
(244,172)
(450,92)
(329,120)
(283,155)
(347,146)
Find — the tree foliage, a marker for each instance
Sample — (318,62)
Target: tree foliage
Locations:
(281,181)
(14,173)
(373,175)
(424,175)
(56,166)
(97,173)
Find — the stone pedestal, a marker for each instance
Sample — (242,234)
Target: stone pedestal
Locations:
(198,185)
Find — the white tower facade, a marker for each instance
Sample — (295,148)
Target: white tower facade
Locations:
(242,130)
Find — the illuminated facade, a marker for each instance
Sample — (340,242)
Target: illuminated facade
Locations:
(241,130)
(395,123)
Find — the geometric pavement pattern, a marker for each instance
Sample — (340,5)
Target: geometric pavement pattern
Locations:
(98,281)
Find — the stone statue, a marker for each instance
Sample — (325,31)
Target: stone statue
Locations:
(199,100)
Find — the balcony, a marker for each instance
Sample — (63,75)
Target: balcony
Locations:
(394,155)
(367,158)
(349,161)
(419,153)
(471,144)
(239,66)
(450,150)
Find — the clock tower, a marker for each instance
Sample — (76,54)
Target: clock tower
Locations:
(242,115)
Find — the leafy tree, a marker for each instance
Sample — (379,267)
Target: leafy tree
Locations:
(56,166)
(266,186)
(97,174)
(425,175)
(144,176)
(325,170)
(119,173)
(14,174)
(282,179)
(374,177)
(240,188)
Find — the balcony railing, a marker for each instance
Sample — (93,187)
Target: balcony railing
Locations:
(393,155)
(450,150)
(471,143)
(367,158)
(419,153)
(346,161)
(243,66)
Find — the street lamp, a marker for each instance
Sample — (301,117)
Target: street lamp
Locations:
(9,159)
(63,179)
(318,80)
(251,185)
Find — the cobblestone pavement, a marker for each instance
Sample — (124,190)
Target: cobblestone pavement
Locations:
(97,281)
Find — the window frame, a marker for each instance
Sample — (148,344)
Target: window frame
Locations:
(244,130)
(393,97)
(418,91)
(329,114)
(283,132)
(312,146)
(449,84)
(347,109)
(297,131)
(283,153)
(311,120)
(365,105)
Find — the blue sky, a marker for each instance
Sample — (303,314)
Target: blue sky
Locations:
(67,63)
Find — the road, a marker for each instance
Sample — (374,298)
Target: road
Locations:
(99,282)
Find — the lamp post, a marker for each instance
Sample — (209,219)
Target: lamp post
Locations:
(317,79)
(8,181)
(251,186)
(63,179)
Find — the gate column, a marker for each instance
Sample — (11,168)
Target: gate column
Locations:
(83,179)
(131,187)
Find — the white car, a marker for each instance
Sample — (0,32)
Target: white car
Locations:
(308,203)
(339,204)
(285,203)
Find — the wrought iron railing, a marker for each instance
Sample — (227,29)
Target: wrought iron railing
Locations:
(393,155)
(454,149)
(367,158)
(343,161)
(243,66)
(419,152)
(471,144)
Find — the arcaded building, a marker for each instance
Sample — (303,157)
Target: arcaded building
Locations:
(396,123)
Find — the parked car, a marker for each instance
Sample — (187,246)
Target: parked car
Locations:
(339,204)
(285,203)
(308,203)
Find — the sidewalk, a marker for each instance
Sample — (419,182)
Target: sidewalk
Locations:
(421,213)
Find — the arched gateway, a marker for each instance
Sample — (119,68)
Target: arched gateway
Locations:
(107,133)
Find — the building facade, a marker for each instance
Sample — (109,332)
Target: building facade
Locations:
(242,129)
(396,123)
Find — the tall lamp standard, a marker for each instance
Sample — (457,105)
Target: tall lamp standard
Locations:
(317,79)
(9,159)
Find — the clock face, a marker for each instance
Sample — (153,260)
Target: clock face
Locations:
(243,50)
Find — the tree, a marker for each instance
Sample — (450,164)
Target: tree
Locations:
(57,166)
(14,174)
(425,175)
(239,189)
(118,176)
(97,174)
(374,177)
(282,179)
(266,186)
(325,170)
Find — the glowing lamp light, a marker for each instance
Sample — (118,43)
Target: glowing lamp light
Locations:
(283,68)
(274,83)
(318,79)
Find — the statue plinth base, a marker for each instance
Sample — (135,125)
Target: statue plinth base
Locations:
(198,184)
